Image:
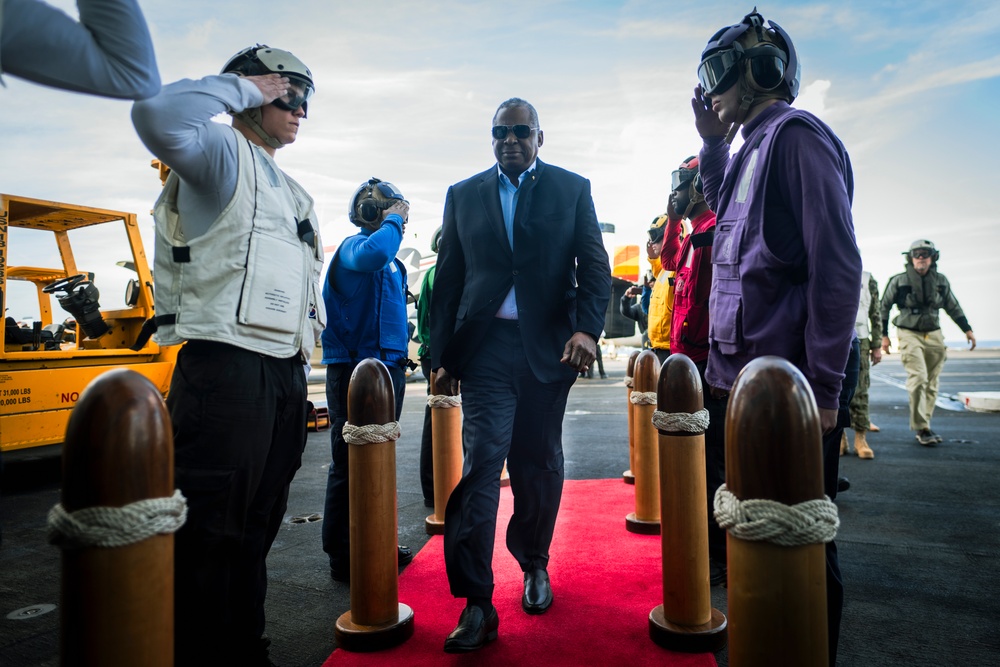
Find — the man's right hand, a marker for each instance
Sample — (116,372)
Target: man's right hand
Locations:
(634,290)
(400,207)
(271,86)
(706,121)
(886,344)
(444,383)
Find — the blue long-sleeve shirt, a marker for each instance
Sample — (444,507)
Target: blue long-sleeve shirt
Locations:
(365,297)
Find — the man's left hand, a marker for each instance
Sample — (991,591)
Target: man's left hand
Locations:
(876,355)
(827,420)
(580,351)
(971,337)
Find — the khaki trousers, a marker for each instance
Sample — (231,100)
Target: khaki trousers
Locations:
(923,355)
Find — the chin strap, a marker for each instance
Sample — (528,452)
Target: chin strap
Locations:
(695,199)
(253,118)
(745,103)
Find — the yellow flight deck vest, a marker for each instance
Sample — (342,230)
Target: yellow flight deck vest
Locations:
(661,307)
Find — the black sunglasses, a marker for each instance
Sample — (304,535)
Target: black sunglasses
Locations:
(920,254)
(520,131)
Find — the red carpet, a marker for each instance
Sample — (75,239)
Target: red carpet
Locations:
(605,581)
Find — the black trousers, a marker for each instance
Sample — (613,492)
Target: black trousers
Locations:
(337,507)
(239,422)
(831,471)
(508,414)
(427,441)
(715,464)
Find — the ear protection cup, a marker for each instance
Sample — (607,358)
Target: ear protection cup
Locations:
(368,209)
(370,200)
(365,209)
(698,187)
(764,67)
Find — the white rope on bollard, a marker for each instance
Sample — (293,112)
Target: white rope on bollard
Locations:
(116,526)
(628,381)
(444,401)
(643,397)
(759,520)
(370,434)
(681,422)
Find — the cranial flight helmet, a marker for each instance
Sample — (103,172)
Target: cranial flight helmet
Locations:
(262,59)
(686,184)
(758,54)
(922,244)
(369,201)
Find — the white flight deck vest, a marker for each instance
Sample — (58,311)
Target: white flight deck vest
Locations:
(861,323)
(249,281)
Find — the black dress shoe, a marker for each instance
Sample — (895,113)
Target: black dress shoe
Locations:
(405,554)
(717,573)
(843,484)
(537,596)
(474,629)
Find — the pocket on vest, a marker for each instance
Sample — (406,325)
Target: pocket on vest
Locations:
(272,292)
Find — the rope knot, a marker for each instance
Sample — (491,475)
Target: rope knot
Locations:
(116,526)
(370,434)
(681,422)
(444,401)
(758,520)
(643,397)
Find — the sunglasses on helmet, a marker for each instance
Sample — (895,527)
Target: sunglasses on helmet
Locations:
(520,131)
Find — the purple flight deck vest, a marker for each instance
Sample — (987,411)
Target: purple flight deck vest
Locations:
(758,301)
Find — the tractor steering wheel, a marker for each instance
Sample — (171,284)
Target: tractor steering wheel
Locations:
(66,284)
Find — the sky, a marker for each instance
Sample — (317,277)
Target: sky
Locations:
(406,92)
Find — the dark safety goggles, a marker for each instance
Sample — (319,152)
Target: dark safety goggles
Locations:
(520,131)
(718,72)
(920,254)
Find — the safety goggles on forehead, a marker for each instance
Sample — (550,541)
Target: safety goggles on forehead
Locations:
(718,72)
(520,131)
(680,177)
(388,190)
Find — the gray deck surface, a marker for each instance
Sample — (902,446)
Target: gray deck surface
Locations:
(919,538)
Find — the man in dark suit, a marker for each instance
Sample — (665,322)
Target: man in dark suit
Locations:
(522,286)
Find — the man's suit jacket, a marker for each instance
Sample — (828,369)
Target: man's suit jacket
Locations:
(558,266)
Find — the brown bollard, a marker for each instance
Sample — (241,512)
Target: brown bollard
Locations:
(646,518)
(446,444)
(686,621)
(777,594)
(628,476)
(118,602)
(376,619)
